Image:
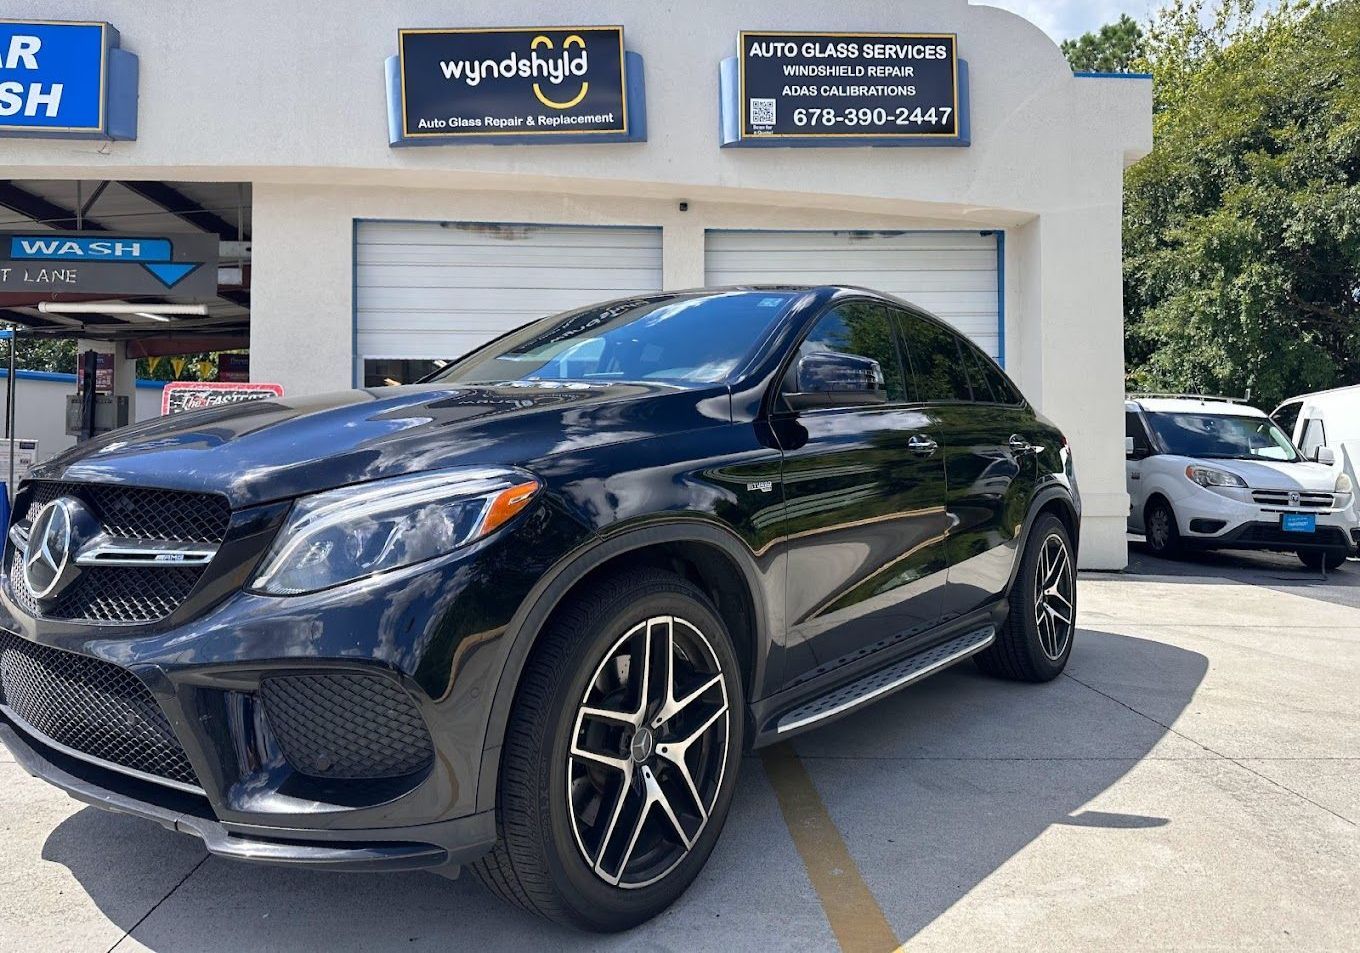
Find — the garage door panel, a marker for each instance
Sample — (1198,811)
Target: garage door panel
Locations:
(382,278)
(428,290)
(461,256)
(741,240)
(877,260)
(539,301)
(951,274)
(481,235)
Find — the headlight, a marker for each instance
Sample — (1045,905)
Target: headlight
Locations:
(357,531)
(1209,476)
(1343,483)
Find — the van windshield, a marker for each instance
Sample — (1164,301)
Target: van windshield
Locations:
(1222,436)
(682,340)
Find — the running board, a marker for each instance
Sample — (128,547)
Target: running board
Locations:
(887,680)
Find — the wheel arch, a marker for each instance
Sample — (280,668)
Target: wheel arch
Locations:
(711,556)
(1055,500)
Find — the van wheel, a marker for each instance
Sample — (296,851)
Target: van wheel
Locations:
(621,755)
(1035,641)
(1163,536)
(1314,558)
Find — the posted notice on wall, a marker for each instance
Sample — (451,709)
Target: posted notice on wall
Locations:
(24,455)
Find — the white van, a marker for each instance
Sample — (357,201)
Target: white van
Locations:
(1327,419)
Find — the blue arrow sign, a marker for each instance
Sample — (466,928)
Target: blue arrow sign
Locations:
(154,254)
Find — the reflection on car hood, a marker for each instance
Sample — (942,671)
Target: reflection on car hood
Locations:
(1274,474)
(272,449)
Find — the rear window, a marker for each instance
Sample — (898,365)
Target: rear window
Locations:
(686,341)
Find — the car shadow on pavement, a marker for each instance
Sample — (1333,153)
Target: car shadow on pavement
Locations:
(932,790)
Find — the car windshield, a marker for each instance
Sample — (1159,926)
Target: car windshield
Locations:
(1222,435)
(685,341)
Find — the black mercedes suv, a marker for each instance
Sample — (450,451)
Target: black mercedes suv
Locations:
(526,616)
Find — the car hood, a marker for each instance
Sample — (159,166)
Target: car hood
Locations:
(1275,475)
(266,450)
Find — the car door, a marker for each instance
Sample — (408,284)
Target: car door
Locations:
(1136,430)
(991,462)
(864,492)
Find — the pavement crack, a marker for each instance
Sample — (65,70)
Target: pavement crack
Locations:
(1217,754)
(156,905)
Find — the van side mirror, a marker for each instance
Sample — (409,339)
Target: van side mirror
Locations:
(1324,455)
(1128,446)
(831,379)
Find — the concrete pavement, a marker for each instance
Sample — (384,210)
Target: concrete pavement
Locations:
(1193,781)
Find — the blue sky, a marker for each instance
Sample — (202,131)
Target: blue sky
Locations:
(1062,19)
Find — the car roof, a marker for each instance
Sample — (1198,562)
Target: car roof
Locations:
(1193,405)
(1318,396)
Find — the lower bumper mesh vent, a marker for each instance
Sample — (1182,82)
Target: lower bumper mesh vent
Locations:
(92,707)
(346,726)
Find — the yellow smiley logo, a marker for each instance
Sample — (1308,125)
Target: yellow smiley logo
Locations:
(572,40)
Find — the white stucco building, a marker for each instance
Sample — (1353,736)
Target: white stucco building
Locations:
(362,254)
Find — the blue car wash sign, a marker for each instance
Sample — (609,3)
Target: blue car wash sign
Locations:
(515,85)
(67,80)
(100,263)
(849,89)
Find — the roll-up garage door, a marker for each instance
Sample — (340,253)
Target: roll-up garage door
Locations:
(436,290)
(951,274)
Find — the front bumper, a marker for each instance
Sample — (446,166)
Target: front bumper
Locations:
(1262,534)
(451,842)
(434,634)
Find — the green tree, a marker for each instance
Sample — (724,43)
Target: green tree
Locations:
(1114,48)
(1242,228)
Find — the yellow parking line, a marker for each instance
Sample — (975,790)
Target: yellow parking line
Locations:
(854,914)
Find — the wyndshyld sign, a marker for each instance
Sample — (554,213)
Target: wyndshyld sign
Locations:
(539,81)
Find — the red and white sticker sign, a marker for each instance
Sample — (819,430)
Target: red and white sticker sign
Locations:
(194,395)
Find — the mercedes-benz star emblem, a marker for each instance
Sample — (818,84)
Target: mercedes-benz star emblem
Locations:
(641,746)
(49,549)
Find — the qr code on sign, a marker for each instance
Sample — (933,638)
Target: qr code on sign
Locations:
(762,112)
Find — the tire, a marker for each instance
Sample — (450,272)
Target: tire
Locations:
(1314,558)
(1035,641)
(1160,529)
(561,857)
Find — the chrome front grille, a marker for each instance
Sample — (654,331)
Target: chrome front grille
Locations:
(125,594)
(1307,499)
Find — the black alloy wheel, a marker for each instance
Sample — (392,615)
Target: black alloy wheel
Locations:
(621,755)
(1035,641)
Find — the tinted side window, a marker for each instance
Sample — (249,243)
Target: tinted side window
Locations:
(935,360)
(1133,427)
(1287,416)
(989,381)
(859,329)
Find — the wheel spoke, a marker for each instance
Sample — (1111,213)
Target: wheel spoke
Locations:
(658,797)
(677,753)
(633,718)
(619,801)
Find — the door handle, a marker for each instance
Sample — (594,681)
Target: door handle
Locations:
(920,443)
(1020,445)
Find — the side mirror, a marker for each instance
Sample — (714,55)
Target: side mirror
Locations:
(1128,446)
(830,379)
(1324,455)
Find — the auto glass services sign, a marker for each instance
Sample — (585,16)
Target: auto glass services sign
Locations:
(876,88)
(512,82)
